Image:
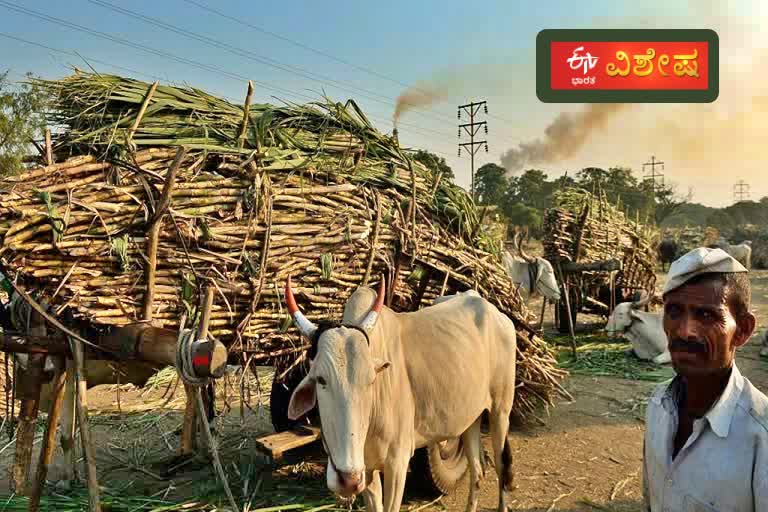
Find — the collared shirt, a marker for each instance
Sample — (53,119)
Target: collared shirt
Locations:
(723,466)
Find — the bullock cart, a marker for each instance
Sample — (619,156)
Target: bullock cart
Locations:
(601,256)
(154,199)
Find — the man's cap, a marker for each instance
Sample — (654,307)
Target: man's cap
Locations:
(700,261)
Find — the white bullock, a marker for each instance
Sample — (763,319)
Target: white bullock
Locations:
(388,383)
(742,252)
(535,276)
(643,330)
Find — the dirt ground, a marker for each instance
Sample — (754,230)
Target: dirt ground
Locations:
(586,457)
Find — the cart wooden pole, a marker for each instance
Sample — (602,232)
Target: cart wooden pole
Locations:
(85,431)
(49,439)
(28,384)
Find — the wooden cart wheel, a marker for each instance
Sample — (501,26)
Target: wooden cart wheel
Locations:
(438,468)
(280,397)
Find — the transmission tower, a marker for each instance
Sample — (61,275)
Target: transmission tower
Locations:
(653,175)
(740,191)
(472,128)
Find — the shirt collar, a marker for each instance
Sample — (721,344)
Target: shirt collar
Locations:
(721,413)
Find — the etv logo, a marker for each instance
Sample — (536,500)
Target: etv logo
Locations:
(587,61)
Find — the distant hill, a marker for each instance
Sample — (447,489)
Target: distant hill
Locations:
(690,214)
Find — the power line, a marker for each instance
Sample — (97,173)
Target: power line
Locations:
(373,96)
(170,56)
(296,43)
(306,47)
(87,60)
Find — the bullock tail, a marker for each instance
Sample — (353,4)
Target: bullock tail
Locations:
(507,471)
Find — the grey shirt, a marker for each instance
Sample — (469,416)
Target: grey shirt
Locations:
(723,467)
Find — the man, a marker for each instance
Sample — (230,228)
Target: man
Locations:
(706,440)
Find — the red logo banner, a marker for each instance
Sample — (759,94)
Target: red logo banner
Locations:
(653,65)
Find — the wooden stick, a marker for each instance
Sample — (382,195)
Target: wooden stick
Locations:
(49,440)
(143,109)
(85,430)
(187,445)
(48,147)
(205,313)
(570,318)
(29,384)
(543,310)
(246,110)
(153,233)
(374,240)
(68,424)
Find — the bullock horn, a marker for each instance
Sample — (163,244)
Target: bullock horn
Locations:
(373,314)
(307,328)
(523,254)
(642,302)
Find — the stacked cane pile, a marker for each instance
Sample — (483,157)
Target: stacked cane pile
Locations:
(260,192)
(586,227)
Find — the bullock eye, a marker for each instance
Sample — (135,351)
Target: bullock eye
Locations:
(321,381)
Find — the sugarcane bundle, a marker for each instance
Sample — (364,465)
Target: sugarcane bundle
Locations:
(586,227)
(689,238)
(260,192)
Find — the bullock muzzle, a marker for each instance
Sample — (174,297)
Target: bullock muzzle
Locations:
(348,484)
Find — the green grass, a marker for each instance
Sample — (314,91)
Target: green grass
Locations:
(600,356)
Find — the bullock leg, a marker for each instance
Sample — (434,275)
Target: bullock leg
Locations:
(394,480)
(372,493)
(473,449)
(502,452)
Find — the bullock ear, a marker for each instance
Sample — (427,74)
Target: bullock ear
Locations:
(303,398)
(379,365)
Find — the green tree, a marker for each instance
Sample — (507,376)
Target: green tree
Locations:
(22,119)
(532,188)
(434,163)
(721,220)
(521,215)
(668,201)
(491,184)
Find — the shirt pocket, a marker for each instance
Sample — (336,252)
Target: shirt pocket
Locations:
(691,504)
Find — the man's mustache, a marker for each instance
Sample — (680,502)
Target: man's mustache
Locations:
(695,347)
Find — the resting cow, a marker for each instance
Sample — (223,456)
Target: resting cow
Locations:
(535,276)
(643,330)
(388,383)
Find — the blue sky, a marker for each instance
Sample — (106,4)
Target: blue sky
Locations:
(483,50)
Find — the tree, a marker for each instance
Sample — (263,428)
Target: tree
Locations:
(491,184)
(521,215)
(22,119)
(532,188)
(434,163)
(668,201)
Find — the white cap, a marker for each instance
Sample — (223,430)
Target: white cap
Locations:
(700,261)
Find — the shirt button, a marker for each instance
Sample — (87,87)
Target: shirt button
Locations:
(669,482)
